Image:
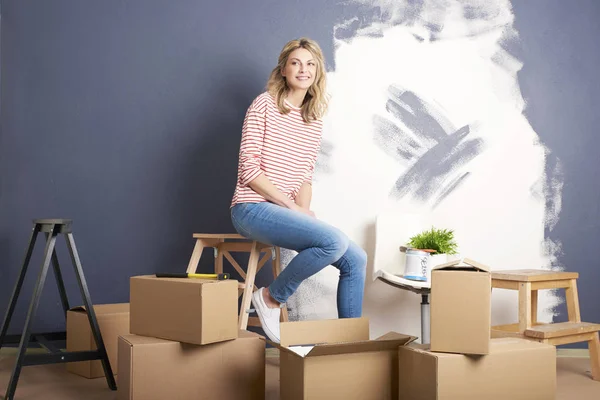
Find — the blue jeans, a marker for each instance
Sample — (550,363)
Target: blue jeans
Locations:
(318,245)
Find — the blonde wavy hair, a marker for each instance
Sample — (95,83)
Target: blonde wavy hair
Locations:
(315,102)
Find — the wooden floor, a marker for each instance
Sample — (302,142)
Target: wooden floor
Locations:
(52,382)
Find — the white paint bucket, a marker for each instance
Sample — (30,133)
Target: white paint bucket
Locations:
(417,265)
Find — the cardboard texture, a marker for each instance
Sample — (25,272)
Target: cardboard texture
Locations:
(189,310)
(153,369)
(514,369)
(113,320)
(461,308)
(329,359)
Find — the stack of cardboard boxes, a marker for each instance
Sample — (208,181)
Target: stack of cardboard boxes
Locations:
(184,343)
(462,362)
(177,338)
(335,358)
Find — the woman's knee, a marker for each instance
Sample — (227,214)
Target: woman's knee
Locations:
(358,258)
(353,262)
(335,245)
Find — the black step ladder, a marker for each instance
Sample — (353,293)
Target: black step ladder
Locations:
(51,228)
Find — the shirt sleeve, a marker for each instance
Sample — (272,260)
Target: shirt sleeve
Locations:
(308,176)
(253,134)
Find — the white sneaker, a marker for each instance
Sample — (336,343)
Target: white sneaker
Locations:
(269,317)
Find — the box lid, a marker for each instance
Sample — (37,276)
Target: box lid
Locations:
(133,339)
(464,264)
(104,309)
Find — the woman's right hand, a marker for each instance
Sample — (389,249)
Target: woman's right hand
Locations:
(304,211)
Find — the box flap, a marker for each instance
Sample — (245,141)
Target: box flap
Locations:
(426,350)
(302,351)
(397,336)
(324,331)
(140,340)
(388,342)
(104,309)
(463,264)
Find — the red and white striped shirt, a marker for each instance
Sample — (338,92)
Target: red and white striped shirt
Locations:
(281,146)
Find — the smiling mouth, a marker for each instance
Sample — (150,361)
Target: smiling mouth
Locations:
(303,78)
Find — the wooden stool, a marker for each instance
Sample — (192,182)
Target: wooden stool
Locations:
(222,249)
(528,282)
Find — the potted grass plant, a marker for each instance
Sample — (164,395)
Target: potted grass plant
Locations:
(439,243)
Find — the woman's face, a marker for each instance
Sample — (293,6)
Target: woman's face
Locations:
(300,70)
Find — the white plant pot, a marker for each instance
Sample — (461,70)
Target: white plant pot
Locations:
(417,262)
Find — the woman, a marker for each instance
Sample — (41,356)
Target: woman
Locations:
(281,137)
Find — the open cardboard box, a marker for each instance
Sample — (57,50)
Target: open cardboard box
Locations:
(328,359)
(461,307)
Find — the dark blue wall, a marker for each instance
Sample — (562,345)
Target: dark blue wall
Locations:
(126,117)
(561,85)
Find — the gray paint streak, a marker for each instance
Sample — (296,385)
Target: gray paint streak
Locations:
(428,140)
(323,165)
(369,19)
(424,177)
(394,141)
(422,119)
(450,187)
(372,16)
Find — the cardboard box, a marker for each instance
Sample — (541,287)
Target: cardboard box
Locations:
(195,311)
(329,359)
(113,320)
(461,308)
(514,369)
(154,368)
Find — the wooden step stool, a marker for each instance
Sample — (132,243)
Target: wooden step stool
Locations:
(528,282)
(222,249)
